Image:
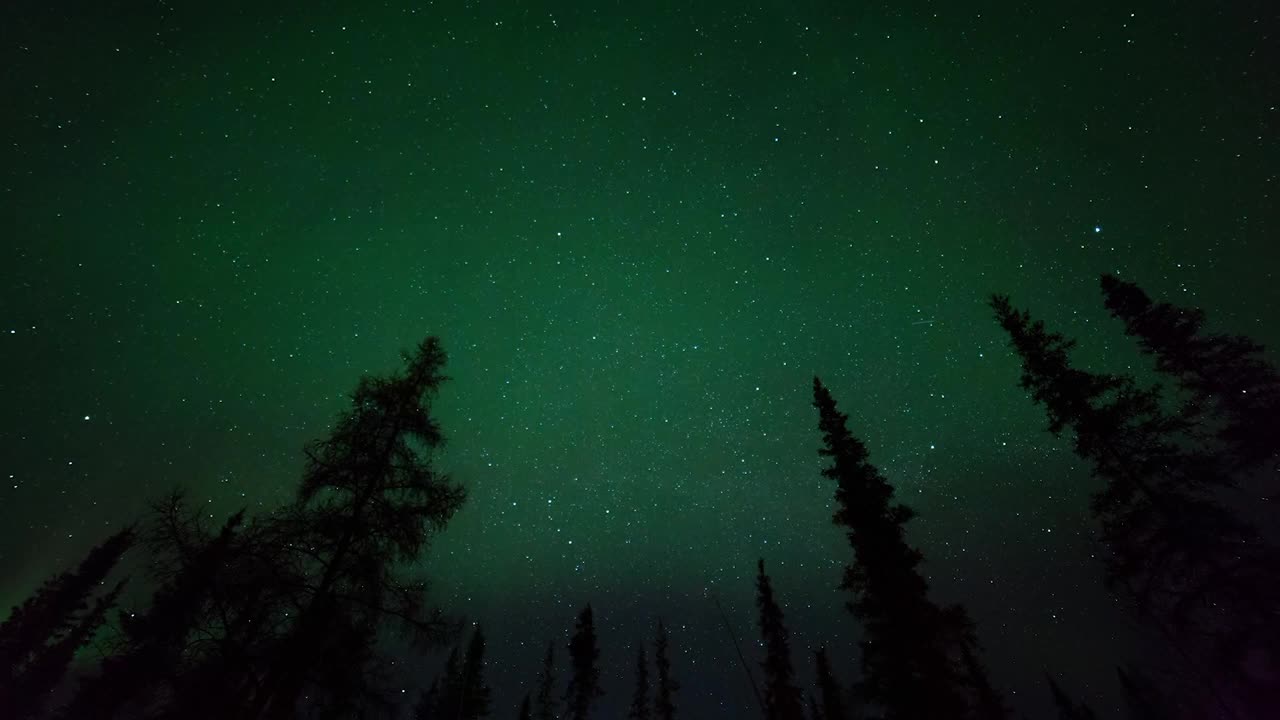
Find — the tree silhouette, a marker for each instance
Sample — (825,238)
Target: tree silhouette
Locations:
(368,504)
(45,670)
(815,711)
(475,690)
(1230,386)
(53,623)
(1068,709)
(460,691)
(664,706)
(584,656)
(546,705)
(1194,570)
(525,712)
(782,699)
(828,688)
(913,651)
(640,698)
(154,643)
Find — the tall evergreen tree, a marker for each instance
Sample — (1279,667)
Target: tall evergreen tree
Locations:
(815,710)
(1068,709)
(51,611)
(546,699)
(584,658)
(40,630)
(640,698)
(475,694)
(42,674)
(1230,386)
(155,642)
(445,698)
(829,688)
(912,653)
(782,699)
(664,706)
(1194,570)
(368,504)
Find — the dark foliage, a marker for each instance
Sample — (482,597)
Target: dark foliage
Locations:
(640,697)
(1232,392)
(1190,566)
(546,699)
(155,641)
(525,712)
(584,659)
(460,692)
(34,685)
(1068,709)
(664,707)
(829,688)
(40,636)
(913,654)
(782,698)
(367,506)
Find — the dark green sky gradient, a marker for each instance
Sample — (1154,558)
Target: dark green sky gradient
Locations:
(639,231)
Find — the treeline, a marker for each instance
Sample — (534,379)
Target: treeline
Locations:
(278,616)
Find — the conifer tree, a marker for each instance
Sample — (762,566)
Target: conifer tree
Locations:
(40,631)
(35,683)
(640,698)
(1068,709)
(1230,386)
(1198,573)
(368,504)
(443,698)
(815,711)
(525,711)
(912,654)
(546,700)
(50,612)
(584,658)
(154,643)
(829,688)
(664,706)
(475,695)
(782,699)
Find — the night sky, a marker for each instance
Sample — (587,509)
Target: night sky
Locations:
(639,229)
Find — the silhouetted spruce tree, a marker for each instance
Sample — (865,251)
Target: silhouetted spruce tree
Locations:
(425,708)
(368,504)
(51,611)
(1230,386)
(475,690)
(829,688)
(546,706)
(35,683)
(584,658)
(1068,709)
(913,651)
(815,711)
(782,699)
(664,706)
(443,698)
(1192,568)
(525,711)
(154,642)
(238,591)
(640,698)
(36,632)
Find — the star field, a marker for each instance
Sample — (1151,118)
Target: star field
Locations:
(639,230)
